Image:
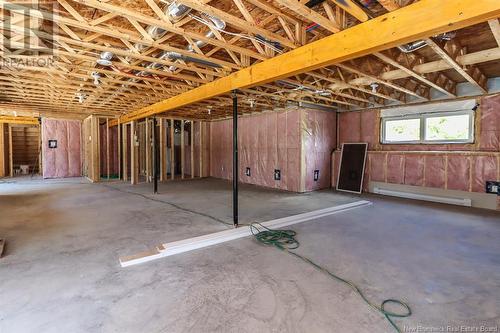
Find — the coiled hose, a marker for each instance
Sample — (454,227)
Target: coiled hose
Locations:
(285,240)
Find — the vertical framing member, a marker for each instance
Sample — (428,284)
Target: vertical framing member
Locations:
(124,154)
(11,159)
(201,149)
(163,154)
(107,147)
(134,154)
(172,149)
(192,149)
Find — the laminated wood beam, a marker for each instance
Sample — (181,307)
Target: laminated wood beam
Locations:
(18,120)
(405,25)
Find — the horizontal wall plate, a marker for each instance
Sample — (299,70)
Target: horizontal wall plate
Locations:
(169,249)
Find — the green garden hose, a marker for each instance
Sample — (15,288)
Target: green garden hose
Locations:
(285,240)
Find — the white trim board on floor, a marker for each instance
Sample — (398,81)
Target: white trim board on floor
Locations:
(168,249)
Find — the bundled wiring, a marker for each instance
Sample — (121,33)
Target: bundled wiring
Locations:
(214,27)
(285,240)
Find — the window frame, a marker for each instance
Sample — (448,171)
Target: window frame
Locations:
(423,117)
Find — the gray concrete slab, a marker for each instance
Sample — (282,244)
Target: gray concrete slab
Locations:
(60,272)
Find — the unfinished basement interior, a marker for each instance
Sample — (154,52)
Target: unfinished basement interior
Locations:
(249,166)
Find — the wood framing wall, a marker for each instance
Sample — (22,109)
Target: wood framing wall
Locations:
(26,147)
(184,151)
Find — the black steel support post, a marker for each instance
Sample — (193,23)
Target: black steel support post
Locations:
(156,157)
(120,153)
(235,159)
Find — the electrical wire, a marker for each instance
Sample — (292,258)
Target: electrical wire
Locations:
(285,240)
(171,204)
(213,26)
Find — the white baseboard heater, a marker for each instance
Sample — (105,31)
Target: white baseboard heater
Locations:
(408,195)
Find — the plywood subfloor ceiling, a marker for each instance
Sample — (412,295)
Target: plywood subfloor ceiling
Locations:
(155,55)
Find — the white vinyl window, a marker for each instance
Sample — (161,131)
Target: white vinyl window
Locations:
(445,127)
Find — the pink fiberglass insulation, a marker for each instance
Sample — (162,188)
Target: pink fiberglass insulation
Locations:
(414,170)
(458,172)
(435,166)
(350,127)
(65,160)
(395,168)
(377,167)
(266,142)
(484,168)
(490,123)
(369,124)
(318,134)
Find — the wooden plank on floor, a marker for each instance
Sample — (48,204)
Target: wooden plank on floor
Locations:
(190,244)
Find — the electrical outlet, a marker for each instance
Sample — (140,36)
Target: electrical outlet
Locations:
(52,144)
(493,187)
(316,175)
(277,174)
(247,172)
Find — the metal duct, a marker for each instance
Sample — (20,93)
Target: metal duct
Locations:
(411,47)
(176,12)
(408,48)
(217,22)
(178,56)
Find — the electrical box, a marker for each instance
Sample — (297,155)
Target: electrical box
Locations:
(52,144)
(277,174)
(247,172)
(316,175)
(493,187)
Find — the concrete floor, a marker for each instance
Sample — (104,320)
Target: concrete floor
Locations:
(61,270)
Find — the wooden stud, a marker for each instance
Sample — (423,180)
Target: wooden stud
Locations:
(134,154)
(192,149)
(2,151)
(201,148)
(119,150)
(107,148)
(124,153)
(163,150)
(11,160)
(172,149)
(148,150)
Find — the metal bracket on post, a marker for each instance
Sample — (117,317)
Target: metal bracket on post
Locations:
(235,159)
